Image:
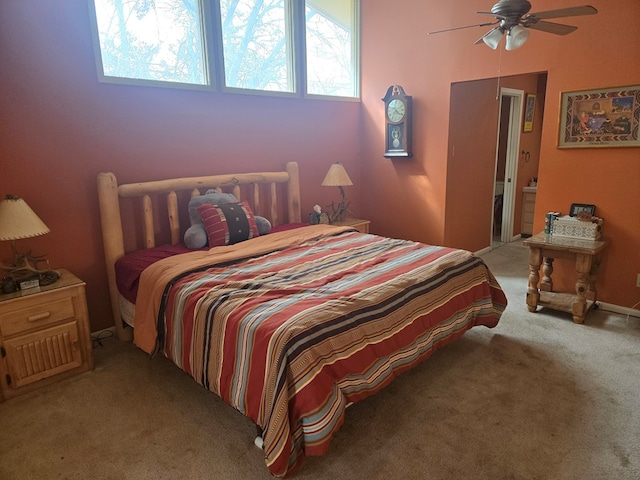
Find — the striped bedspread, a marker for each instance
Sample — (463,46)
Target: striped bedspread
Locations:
(291,337)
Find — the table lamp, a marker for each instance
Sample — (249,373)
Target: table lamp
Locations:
(337,176)
(18,221)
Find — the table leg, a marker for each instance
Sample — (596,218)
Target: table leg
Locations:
(533,295)
(592,293)
(583,268)
(547,269)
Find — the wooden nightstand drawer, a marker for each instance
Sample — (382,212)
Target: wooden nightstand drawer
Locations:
(43,354)
(37,315)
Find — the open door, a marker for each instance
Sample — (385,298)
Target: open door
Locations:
(510,150)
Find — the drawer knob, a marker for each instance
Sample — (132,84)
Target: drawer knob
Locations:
(38,316)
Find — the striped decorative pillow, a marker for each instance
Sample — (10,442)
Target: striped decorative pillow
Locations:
(228,224)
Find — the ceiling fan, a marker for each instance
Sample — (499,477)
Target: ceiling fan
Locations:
(512,19)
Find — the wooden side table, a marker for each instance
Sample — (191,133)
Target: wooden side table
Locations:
(585,253)
(44,335)
(358,223)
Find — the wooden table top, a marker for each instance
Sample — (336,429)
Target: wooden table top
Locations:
(566,244)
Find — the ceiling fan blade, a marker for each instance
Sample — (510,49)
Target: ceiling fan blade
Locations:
(467,26)
(564,12)
(550,27)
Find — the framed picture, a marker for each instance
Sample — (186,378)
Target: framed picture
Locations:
(600,118)
(530,109)
(576,208)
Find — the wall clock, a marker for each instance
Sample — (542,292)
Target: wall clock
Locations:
(398,113)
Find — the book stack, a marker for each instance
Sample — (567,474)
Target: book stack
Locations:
(549,218)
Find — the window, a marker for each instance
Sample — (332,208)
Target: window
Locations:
(288,46)
(331,57)
(256,48)
(159,40)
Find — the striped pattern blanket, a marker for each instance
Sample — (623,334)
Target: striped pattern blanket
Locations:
(291,337)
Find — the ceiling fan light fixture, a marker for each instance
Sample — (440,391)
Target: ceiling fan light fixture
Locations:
(514,20)
(492,39)
(517,37)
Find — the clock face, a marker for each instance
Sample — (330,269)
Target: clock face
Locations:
(396,110)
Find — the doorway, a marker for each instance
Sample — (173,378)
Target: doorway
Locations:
(507,154)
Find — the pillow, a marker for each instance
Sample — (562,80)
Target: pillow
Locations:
(229,223)
(196,235)
(263,224)
(212,198)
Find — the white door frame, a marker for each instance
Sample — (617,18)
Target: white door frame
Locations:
(512,155)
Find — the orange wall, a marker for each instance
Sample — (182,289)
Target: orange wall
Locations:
(603,52)
(60,127)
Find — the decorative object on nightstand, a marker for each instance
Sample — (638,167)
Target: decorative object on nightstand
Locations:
(18,221)
(577,208)
(574,227)
(337,176)
(318,216)
(398,116)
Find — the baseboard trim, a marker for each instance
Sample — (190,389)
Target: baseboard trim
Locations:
(610,307)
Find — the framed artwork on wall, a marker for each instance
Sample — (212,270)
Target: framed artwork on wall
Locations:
(607,117)
(530,109)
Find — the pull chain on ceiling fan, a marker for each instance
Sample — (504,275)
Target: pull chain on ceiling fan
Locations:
(513,20)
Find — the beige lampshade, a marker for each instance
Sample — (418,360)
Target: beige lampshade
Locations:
(337,176)
(18,221)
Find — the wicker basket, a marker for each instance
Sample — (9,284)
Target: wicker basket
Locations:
(567,226)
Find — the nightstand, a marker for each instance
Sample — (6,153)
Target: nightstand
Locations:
(44,335)
(358,223)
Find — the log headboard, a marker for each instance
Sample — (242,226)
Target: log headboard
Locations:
(167,192)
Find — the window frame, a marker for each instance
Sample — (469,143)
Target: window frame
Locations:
(213,55)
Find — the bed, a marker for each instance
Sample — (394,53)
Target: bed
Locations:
(290,327)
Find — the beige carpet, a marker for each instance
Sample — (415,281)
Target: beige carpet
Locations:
(538,397)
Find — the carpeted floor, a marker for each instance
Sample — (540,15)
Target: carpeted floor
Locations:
(537,397)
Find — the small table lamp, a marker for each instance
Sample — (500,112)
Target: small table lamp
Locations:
(18,221)
(337,176)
